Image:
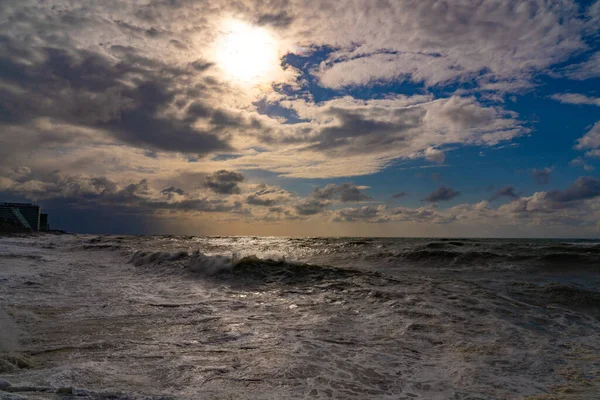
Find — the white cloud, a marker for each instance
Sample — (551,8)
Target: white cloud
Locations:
(435,155)
(591,140)
(346,137)
(439,42)
(576,98)
(585,70)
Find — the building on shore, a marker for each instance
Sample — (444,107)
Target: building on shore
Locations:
(22,216)
(44,223)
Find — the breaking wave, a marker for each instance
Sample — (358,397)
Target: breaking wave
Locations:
(248,268)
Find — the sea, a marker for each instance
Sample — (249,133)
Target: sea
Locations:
(215,317)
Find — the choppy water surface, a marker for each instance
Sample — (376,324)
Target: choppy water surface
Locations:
(108,317)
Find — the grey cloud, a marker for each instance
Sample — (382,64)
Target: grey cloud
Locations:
(171,191)
(399,195)
(311,206)
(583,188)
(442,193)
(579,162)
(268,196)
(378,131)
(366,213)
(202,65)
(90,192)
(279,20)
(541,176)
(422,214)
(359,132)
(82,87)
(347,192)
(224,182)
(507,191)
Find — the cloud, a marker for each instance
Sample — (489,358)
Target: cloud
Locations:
(585,70)
(435,155)
(311,206)
(346,136)
(575,206)
(591,140)
(375,68)
(144,80)
(366,214)
(583,188)
(279,20)
(127,100)
(576,98)
(399,195)
(224,182)
(82,191)
(581,162)
(172,191)
(507,191)
(346,192)
(420,215)
(269,196)
(129,103)
(437,43)
(541,176)
(442,193)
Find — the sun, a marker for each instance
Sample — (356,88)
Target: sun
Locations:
(247,54)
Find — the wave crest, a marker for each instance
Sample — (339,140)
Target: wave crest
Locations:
(246,268)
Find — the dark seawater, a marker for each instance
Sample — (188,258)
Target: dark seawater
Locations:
(128,317)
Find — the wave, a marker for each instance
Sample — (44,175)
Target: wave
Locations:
(452,256)
(248,268)
(526,257)
(104,246)
(558,294)
(449,244)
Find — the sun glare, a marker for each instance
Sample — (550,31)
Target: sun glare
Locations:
(247,54)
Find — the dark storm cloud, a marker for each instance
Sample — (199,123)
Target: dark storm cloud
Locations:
(507,191)
(126,99)
(224,182)
(541,176)
(399,195)
(347,192)
(585,187)
(442,193)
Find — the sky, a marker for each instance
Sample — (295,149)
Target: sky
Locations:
(304,117)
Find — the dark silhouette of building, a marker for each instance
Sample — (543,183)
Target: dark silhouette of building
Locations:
(22,215)
(44,224)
